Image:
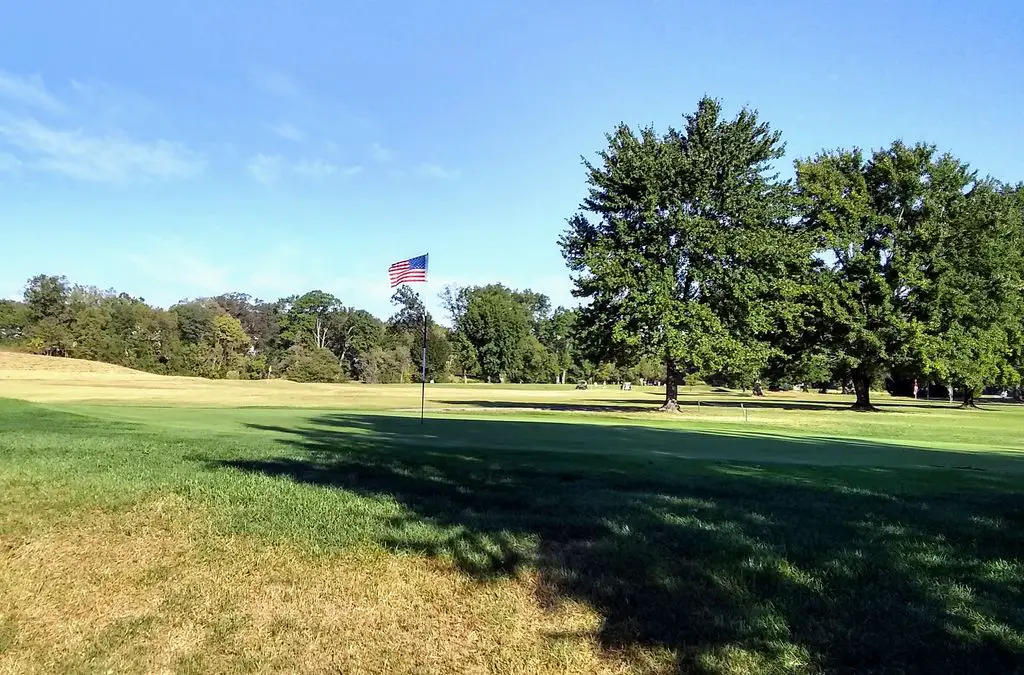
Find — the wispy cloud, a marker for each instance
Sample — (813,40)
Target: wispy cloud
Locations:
(265,169)
(173,264)
(106,159)
(288,132)
(380,154)
(269,169)
(77,149)
(368,290)
(104,102)
(437,171)
(30,91)
(8,162)
(179,270)
(315,168)
(277,83)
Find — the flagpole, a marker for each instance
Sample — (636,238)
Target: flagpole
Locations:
(423,362)
(404,272)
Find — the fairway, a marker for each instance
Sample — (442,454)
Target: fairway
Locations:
(251,526)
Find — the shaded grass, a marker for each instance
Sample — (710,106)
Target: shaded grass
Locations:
(698,550)
(779,568)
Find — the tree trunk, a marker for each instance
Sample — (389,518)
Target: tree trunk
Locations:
(320,333)
(968,398)
(862,388)
(671,387)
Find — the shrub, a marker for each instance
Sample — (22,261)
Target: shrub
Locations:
(311,365)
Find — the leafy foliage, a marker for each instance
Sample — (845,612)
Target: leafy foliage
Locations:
(502,334)
(498,327)
(886,224)
(14,321)
(306,319)
(974,292)
(311,364)
(683,244)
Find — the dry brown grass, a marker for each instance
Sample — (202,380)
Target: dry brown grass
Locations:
(14,365)
(46,379)
(157,590)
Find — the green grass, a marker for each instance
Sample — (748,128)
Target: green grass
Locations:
(820,540)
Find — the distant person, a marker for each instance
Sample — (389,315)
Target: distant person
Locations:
(915,389)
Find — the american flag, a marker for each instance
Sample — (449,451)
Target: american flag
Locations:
(406,271)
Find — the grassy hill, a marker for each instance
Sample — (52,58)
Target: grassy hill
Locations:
(20,363)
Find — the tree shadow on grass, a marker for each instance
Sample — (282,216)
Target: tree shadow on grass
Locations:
(640,405)
(592,405)
(741,565)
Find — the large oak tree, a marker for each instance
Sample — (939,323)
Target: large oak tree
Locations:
(683,249)
(973,291)
(877,221)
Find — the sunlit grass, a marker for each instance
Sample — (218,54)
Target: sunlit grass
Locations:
(71,382)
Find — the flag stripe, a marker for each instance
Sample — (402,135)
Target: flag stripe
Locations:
(408,271)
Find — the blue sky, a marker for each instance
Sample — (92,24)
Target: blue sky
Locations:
(190,147)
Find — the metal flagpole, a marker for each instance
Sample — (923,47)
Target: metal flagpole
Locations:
(404,272)
(423,375)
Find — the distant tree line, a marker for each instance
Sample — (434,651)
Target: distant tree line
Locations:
(896,265)
(497,335)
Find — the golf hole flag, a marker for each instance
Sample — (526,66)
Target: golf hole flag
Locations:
(408,271)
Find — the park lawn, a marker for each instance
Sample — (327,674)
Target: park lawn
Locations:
(566,534)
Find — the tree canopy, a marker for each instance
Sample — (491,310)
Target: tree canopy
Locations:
(896,264)
(682,247)
(308,337)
